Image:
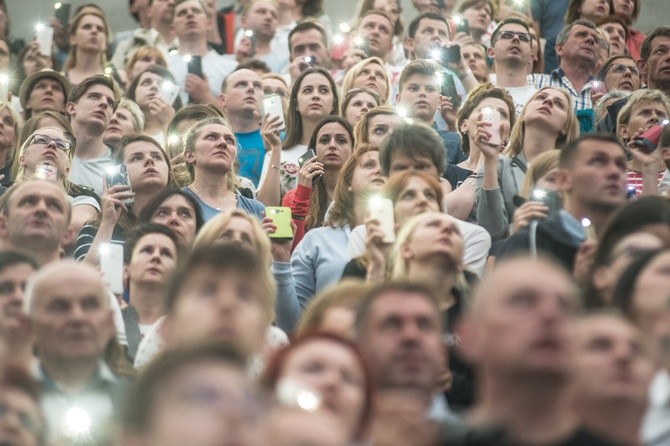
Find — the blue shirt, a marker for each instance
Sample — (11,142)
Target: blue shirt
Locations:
(251,155)
(249,205)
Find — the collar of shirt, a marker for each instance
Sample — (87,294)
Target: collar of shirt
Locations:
(102,378)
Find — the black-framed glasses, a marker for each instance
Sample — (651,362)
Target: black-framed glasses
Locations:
(621,69)
(509,35)
(61,144)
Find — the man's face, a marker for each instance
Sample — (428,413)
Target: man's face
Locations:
(420,96)
(309,43)
(522,325)
(475,59)
(478,16)
(429,34)
(657,66)
(643,115)
(38,216)
(153,260)
(243,95)
(71,316)
(47,94)
(219,305)
(162,11)
(596,180)
(21,423)
(581,46)
(12,286)
(190,20)
(616,36)
(94,109)
(7,129)
(261,19)
(377,31)
(402,340)
(512,47)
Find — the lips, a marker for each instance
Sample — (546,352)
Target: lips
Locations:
(151,171)
(422,104)
(51,154)
(626,85)
(545,110)
(100,114)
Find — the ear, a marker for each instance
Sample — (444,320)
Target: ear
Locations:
(126,276)
(559,49)
(665,155)
(22,161)
(490,53)
(408,44)
(4,233)
(68,238)
(222,101)
(642,66)
(564,180)
(188,157)
(464,126)
(406,251)
(397,98)
(70,108)
(623,132)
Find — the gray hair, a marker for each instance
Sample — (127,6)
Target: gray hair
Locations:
(600,108)
(565,32)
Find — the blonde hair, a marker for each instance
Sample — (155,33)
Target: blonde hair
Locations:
(192,135)
(641,95)
(18,124)
(541,165)
(362,128)
(20,170)
(352,74)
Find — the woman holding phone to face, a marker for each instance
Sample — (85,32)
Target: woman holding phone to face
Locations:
(333,141)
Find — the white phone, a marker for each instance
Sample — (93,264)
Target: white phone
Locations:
(272,106)
(111,265)
(169,92)
(493,116)
(382,209)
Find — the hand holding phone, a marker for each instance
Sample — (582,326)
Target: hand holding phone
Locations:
(281,218)
(493,117)
(381,209)
(111,265)
(118,175)
(194,66)
(169,92)
(272,106)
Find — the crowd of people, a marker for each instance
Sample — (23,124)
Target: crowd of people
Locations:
(254,226)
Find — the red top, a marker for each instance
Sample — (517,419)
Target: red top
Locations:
(298,200)
(634,42)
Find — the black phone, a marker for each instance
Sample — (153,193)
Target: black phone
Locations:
(463,26)
(448,89)
(451,54)
(63,12)
(118,175)
(195,66)
(306,157)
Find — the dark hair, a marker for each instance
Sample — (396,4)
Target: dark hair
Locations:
(141,401)
(164,74)
(306,26)
(253,65)
(645,49)
(515,20)
(139,232)
(150,208)
(569,151)
(421,67)
(574,10)
(17,378)
(608,63)
(318,201)
(81,88)
(614,19)
(412,140)
(414,24)
(274,368)
(349,96)
(118,156)
(665,137)
(9,258)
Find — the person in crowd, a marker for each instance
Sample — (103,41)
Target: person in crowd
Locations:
(210,150)
(643,109)
(333,143)
(10,127)
(90,107)
(357,102)
(592,10)
(191,18)
(147,91)
(275,84)
(375,30)
(195,395)
(44,90)
(150,257)
(479,15)
(474,56)
(620,73)
(394,10)
(148,173)
(547,122)
(369,73)
(141,59)
(260,17)
(308,46)
(376,124)
(511,49)
(178,211)
(313,97)
(609,347)
(127,118)
(346,395)
(616,31)
(419,96)
(31,61)
(72,369)
(89,35)
(593,184)
(23,421)
(629,11)
(653,56)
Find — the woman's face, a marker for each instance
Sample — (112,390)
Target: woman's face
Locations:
(622,74)
(215,147)
(372,76)
(147,61)
(367,175)
(549,180)
(469,125)
(381,125)
(275,86)
(333,145)
(37,152)
(594,9)
(90,35)
(148,88)
(643,115)
(239,230)
(147,168)
(650,295)
(177,213)
(332,371)
(7,129)
(436,237)
(624,8)
(548,108)
(415,198)
(315,97)
(34,62)
(359,105)
(390,6)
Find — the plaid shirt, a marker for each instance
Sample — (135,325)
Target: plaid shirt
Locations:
(557,78)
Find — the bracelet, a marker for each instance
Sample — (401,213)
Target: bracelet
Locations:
(274,166)
(297,217)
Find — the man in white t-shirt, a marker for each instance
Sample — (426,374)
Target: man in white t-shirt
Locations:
(511,50)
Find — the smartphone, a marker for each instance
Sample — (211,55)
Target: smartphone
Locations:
(306,157)
(310,60)
(249,34)
(195,66)
(281,217)
(272,106)
(363,45)
(62,14)
(492,116)
(448,89)
(382,209)
(111,264)
(451,54)
(648,140)
(118,174)
(598,87)
(169,92)
(463,26)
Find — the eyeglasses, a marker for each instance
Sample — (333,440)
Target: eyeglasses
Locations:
(621,69)
(509,35)
(46,140)
(279,92)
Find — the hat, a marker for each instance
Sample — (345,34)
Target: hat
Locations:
(46,73)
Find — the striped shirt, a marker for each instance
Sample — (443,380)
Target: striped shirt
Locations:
(634,181)
(557,78)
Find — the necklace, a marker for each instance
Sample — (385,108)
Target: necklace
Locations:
(208,203)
